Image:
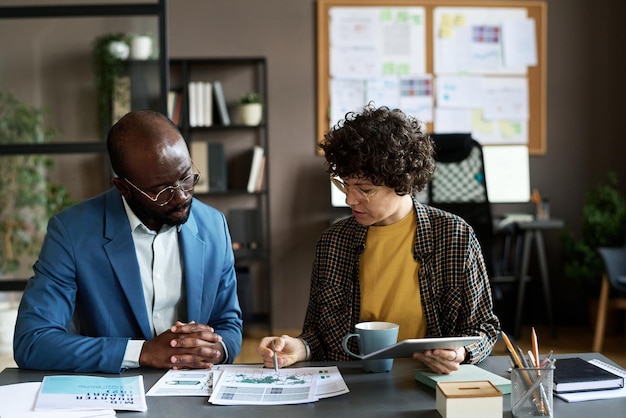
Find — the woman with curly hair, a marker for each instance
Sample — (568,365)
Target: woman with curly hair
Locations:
(394,259)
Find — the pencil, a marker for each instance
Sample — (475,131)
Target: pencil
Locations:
(512,350)
(535,344)
(275,358)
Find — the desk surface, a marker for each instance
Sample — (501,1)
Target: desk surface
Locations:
(551,223)
(371,395)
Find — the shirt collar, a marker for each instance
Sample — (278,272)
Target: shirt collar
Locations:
(136,222)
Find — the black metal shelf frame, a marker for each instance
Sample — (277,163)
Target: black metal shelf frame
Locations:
(157,9)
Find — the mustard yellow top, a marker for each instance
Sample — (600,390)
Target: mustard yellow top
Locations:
(388,275)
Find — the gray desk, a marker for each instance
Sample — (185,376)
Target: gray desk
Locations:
(394,394)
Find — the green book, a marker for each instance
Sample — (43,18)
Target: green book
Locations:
(466,373)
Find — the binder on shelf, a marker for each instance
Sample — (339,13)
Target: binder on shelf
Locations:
(245,231)
(220,103)
(217,172)
(199,151)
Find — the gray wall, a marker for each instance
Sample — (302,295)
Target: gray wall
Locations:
(585,124)
(585,129)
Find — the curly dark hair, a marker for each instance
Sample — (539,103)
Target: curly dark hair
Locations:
(384,146)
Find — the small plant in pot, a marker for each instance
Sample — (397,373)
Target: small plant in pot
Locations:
(109,54)
(250,108)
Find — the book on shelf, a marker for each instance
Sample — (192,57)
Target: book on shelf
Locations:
(193,110)
(218,172)
(573,374)
(220,103)
(207,103)
(199,151)
(466,373)
(174,106)
(171,99)
(261,178)
(210,159)
(199,103)
(255,169)
(244,170)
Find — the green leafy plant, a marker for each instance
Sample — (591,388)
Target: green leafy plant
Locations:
(107,69)
(28,196)
(248,98)
(604,224)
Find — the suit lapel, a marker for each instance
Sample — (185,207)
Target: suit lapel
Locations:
(121,253)
(193,255)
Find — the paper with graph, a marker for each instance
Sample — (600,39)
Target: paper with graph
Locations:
(262,386)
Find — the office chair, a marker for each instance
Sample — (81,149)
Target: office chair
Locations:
(614,278)
(458,186)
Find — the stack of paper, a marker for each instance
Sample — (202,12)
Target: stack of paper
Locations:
(18,401)
(227,384)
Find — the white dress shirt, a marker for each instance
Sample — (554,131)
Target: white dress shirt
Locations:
(161,272)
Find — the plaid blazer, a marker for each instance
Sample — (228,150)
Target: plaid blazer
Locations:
(454,286)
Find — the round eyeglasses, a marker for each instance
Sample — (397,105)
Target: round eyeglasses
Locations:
(166,194)
(366,194)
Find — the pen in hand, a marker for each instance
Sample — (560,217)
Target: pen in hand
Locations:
(275,358)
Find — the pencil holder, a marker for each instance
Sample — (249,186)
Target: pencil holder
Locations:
(531,392)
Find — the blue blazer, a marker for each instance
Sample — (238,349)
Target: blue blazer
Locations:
(85,300)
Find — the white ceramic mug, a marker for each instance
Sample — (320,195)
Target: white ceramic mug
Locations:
(373,336)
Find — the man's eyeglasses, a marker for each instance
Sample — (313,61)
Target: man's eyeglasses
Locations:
(164,196)
(345,188)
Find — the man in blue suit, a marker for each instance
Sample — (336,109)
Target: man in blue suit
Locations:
(141,275)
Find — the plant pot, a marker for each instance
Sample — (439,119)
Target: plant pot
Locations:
(251,113)
(141,48)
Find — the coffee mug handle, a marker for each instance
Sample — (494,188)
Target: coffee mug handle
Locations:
(344,343)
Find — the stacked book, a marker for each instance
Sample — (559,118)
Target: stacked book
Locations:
(578,380)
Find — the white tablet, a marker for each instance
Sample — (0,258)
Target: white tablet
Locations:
(406,348)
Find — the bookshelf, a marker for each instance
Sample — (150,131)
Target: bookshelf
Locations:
(78,148)
(233,149)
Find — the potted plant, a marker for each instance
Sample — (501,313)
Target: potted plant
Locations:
(250,108)
(28,199)
(109,55)
(603,225)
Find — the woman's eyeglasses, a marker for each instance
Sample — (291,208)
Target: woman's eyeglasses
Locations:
(363,193)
